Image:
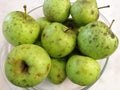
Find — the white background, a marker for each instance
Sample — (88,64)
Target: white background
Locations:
(110,80)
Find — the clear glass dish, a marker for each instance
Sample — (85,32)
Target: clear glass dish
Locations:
(5,48)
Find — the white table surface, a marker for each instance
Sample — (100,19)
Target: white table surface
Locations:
(110,80)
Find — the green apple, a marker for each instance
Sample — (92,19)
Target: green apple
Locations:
(57,72)
(56,10)
(84,11)
(82,70)
(96,40)
(27,65)
(58,40)
(20,28)
(43,22)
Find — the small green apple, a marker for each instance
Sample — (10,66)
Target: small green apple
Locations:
(58,40)
(84,11)
(43,22)
(57,72)
(20,28)
(82,70)
(27,65)
(96,40)
(56,10)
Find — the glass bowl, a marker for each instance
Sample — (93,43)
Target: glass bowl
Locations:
(5,48)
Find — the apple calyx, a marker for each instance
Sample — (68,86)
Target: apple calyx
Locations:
(24,67)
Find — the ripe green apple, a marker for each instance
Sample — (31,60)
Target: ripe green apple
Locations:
(57,72)
(56,10)
(58,40)
(43,22)
(82,70)
(96,40)
(27,65)
(84,11)
(20,28)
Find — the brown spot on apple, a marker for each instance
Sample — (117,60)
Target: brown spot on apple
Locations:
(48,67)
(58,76)
(92,12)
(44,35)
(37,75)
(93,25)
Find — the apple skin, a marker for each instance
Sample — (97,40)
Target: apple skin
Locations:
(20,28)
(82,70)
(58,40)
(27,65)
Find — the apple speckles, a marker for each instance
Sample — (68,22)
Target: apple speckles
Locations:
(31,31)
(105,33)
(19,43)
(92,12)
(90,41)
(43,35)
(24,80)
(107,47)
(58,76)
(93,25)
(97,45)
(78,72)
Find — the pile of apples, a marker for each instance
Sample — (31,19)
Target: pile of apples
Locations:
(67,42)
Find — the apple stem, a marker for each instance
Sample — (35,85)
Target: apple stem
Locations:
(25,10)
(104,7)
(111,24)
(66,30)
